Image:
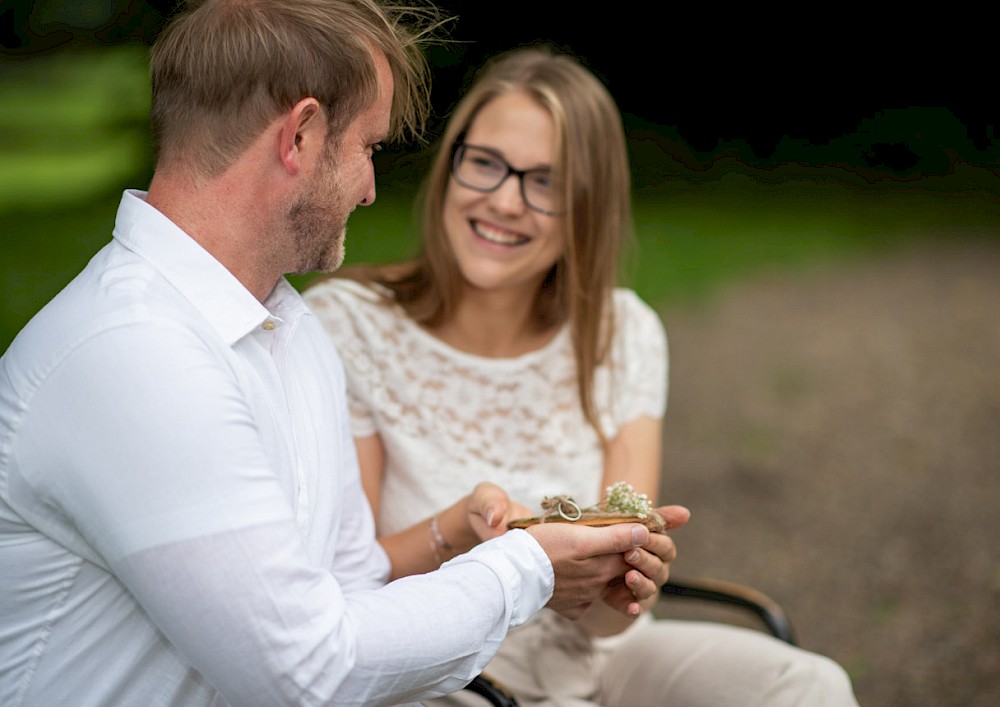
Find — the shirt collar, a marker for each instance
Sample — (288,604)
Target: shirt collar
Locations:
(226,304)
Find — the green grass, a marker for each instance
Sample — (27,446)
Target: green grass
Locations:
(693,237)
(72,135)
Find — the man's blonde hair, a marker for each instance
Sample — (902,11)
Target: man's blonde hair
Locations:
(222,70)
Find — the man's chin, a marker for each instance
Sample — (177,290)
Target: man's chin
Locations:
(333,259)
(325,262)
(323,267)
(332,265)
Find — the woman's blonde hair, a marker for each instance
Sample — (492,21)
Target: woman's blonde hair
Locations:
(591,157)
(222,70)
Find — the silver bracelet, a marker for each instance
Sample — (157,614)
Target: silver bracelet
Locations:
(438,541)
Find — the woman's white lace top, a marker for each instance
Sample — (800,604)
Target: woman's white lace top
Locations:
(449,419)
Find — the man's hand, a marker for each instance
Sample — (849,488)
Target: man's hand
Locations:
(651,567)
(587,560)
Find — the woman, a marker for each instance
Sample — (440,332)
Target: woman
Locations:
(505,356)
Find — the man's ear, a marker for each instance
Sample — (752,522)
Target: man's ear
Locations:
(302,135)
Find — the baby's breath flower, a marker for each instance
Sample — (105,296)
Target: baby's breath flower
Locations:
(622,497)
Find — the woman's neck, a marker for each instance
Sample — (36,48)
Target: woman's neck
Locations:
(494,325)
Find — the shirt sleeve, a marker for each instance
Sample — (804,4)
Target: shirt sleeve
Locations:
(150,465)
(359,562)
(281,633)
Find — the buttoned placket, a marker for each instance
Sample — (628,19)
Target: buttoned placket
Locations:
(274,333)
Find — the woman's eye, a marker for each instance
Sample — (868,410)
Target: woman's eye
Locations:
(542,180)
(486,164)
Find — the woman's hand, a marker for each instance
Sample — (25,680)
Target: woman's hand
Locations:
(479,516)
(489,509)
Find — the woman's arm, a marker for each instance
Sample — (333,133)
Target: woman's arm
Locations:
(456,529)
(634,455)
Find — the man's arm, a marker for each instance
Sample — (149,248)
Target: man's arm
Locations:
(171,491)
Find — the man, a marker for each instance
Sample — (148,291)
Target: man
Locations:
(181,517)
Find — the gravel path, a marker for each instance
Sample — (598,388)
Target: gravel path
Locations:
(836,434)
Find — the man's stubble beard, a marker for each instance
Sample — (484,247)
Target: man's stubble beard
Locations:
(318,224)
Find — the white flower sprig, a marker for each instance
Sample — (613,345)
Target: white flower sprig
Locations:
(622,497)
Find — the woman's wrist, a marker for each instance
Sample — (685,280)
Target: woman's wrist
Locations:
(441,549)
(450,533)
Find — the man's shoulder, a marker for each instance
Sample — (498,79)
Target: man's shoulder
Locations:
(113,301)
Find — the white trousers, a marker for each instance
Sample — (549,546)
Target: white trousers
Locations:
(549,662)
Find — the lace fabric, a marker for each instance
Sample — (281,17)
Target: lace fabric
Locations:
(449,419)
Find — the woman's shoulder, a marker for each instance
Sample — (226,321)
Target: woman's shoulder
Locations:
(638,327)
(345,289)
(349,297)
(631,310)
(349,307)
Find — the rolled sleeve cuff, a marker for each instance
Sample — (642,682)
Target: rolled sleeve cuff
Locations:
(523,568)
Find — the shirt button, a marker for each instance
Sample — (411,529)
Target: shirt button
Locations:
(268,325)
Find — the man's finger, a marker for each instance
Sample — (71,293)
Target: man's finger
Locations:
(642,586)
(587,542)
(618,538)
(661,546)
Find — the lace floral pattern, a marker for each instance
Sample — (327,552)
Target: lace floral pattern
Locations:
(449,419)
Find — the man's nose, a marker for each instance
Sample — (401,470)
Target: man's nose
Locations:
(369,197)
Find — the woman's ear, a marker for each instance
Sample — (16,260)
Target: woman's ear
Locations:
(302,135)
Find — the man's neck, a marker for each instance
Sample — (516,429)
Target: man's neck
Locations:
(230,222)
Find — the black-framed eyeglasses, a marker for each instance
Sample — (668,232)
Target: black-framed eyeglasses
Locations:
(484,170)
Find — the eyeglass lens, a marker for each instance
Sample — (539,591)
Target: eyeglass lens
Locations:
(484,170)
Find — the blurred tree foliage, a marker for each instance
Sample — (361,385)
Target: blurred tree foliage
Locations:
(33,26)
(713,199)
(749,108)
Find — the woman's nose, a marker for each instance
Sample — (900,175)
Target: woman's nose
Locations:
(507,197)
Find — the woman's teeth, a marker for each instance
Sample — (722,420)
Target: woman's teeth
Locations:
(494,235)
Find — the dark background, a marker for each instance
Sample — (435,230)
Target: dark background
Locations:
(771,86)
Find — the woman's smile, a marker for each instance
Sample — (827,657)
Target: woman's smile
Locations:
(497,235)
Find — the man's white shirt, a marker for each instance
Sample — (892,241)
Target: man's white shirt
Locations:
(181,515)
